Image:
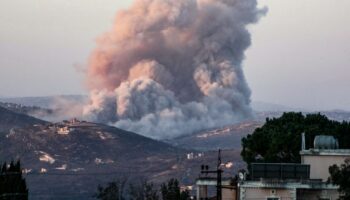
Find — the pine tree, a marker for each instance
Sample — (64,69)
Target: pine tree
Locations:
(12,184)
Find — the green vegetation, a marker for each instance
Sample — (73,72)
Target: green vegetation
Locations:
(113,191)
(171,191)
(340,175)
(279,139)
(12,184)
(143,191)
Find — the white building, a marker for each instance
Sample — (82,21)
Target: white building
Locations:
(63,130)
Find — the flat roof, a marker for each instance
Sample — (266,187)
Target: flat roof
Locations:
(212,181)
(288,185)
(325,152)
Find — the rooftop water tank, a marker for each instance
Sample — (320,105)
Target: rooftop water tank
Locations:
(325,142)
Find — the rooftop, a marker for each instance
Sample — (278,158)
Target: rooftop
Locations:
(288,184)
(212,181)
(326,152)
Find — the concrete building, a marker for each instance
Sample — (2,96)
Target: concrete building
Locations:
(285,181)
(313,186)
(270,189)
(204,184)
(320,160)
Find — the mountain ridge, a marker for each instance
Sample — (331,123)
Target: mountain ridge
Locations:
(10,119)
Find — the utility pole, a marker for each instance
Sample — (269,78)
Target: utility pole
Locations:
(218,172)
(218,180)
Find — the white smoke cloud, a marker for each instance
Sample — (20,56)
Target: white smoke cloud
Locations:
(172,67)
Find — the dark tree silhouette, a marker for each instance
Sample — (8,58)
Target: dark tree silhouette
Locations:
(171,191)
(12,184)
(112,191)
(340,175)
(143,191)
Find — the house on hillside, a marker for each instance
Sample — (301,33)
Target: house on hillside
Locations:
(285,181)
(64,130)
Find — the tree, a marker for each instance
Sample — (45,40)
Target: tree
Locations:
(185,195)
(113,191)
(143,191)
(12,185)
(279,139)
(340,175)
(171,191)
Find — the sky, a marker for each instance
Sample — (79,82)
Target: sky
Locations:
(298,58)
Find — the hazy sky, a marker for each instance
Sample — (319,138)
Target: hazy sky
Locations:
(299,57)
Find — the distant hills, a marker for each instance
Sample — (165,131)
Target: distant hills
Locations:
(45,101)
(260,106)
(228,137)
(51,102)
(50,108)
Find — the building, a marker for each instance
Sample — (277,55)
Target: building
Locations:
(308,180)
(63,130)
(285,181)
(282,181)
(204,184)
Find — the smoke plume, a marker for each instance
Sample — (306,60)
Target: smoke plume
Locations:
(172,67)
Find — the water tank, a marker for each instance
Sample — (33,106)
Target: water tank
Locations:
(325,142)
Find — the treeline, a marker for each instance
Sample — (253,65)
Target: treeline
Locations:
(144,190)
(12,184)
(279,139)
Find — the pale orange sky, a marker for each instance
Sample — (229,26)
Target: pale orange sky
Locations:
(299,55)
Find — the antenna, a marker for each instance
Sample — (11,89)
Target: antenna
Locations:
(218,178)
(303,141)
(219,158)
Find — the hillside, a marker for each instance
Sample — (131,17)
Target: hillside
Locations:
(228,137)
(10,119)
(73,157)
(70,158)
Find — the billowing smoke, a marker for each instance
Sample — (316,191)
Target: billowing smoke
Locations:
(172,67)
